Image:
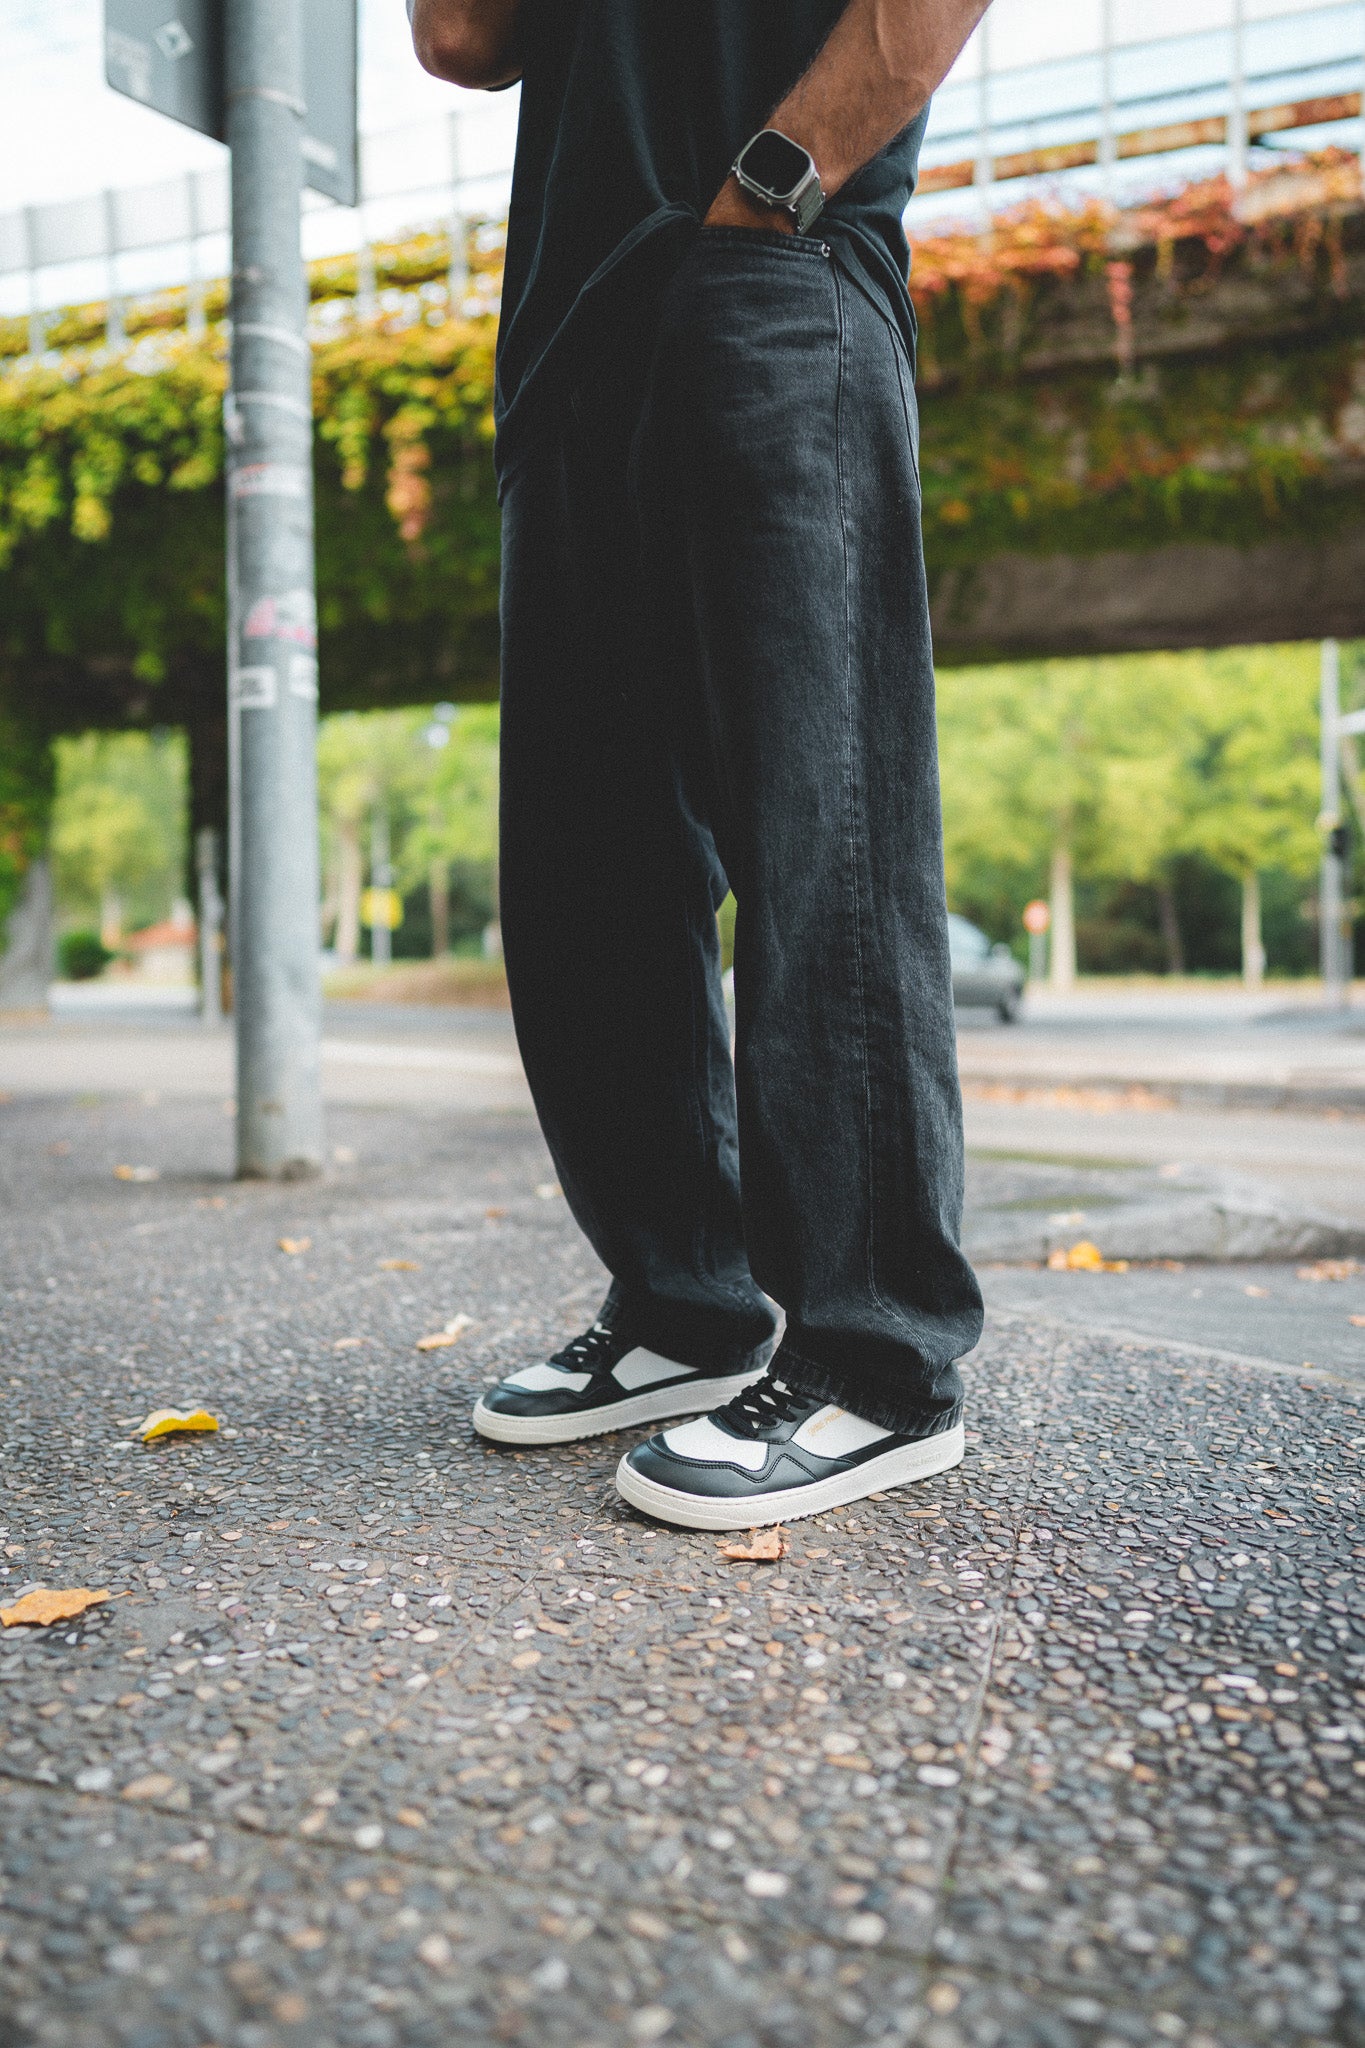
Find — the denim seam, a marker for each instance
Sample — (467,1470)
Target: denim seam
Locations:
(869,1125)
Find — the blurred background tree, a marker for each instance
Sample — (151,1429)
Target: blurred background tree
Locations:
(455,826)
(1166,803)
(1255,787)
(434,776)
(119,830)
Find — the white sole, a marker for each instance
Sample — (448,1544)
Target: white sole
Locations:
(704,1511)
(662,1404)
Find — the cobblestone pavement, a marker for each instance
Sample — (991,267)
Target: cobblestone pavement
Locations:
(387,1737)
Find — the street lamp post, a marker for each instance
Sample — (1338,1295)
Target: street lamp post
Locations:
(272,625)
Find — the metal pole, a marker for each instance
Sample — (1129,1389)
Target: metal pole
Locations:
(210,928)
(1237,106)
(458,278)
(115,333)
(366,284)
(37,326)
(1107,138)
(381,877)
(1331,891)
(196,313)
(272,614)
(983,176)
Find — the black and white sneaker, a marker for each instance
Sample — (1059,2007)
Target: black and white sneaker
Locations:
(604,1380)
(773,1455)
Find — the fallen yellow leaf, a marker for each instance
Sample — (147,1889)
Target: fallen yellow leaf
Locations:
(1083,1257)
(172,1421)
(294,1245)
(763,1546)
(451,1334)
(136,1173)
(48,1604)
(1359,1321)
(399,1266)
(1329,1269)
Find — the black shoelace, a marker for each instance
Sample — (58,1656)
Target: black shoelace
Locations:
(595,1351)
(763,1405)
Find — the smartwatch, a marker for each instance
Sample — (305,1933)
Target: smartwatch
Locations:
(777,171)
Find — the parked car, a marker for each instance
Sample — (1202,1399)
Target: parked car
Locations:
(984,976)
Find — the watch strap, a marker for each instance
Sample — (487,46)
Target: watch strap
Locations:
(804,202)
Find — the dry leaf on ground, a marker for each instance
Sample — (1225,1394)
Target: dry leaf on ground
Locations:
(451,1334)
(49,1603)
(1083,1257)
(1330,1269)
(400,1266)
(1359,1321)
(171,1421)
(294,1245)
(136,1173)
(763,1546)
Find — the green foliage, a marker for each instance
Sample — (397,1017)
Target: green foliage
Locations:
(457,815)
(119,823)
(440,802)
(1142,765)
(25,801)
(81,956)
(111,524)
(1224,450)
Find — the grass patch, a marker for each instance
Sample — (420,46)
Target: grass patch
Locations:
(477,984)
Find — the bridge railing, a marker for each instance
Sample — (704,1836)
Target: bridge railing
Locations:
(1044,100)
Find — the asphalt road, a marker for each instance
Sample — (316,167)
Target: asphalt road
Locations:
(386,1737)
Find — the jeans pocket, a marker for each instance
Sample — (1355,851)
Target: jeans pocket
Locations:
(752,240)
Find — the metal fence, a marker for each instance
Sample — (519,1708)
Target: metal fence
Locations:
(1129,110)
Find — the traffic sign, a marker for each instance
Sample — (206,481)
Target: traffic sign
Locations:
(169,55)
(1037,916)
(382,908)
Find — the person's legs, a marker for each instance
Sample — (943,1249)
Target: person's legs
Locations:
(780,499)
(609,892)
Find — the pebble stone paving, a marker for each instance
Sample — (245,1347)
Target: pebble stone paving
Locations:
(388,1737)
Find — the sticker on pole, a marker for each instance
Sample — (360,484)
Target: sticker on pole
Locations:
(254,689)
(292,617)
(303,677)
(269,480)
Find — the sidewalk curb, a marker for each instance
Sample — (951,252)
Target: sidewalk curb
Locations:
(1205,1354)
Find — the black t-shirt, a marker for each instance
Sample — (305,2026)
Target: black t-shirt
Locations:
(632,112)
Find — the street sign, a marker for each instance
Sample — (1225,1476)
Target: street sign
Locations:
(169,55)
(382,908)
(1037,916)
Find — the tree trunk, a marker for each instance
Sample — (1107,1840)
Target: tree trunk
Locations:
(1253,948)
(349,875)
(492,931)
(1062,932)
(206,731)
(438,889)
(1170,929)
(111,919)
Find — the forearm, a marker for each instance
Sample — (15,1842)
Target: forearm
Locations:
(882,61)
(468,42)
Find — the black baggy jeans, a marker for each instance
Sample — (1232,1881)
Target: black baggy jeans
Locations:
(717,667)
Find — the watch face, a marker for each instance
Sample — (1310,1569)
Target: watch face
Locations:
(774,162)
